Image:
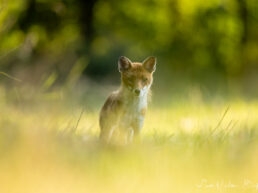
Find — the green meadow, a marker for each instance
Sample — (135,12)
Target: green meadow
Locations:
(58,63)
(49,144)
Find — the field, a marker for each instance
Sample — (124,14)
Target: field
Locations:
(49,144)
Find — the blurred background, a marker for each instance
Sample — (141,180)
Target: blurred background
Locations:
(58,62)
(212,44)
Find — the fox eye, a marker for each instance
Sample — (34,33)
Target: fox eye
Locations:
(144,79)
(130,80)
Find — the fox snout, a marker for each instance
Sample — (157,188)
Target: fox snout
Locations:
(137,92)
(140,91)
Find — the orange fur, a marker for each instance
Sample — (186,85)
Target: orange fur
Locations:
(122,115)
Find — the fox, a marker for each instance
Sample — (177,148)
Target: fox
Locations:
(122,115)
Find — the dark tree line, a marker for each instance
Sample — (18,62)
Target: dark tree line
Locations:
(209,38)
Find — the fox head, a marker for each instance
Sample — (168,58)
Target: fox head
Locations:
(136,77)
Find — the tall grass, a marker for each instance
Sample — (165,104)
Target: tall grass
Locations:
(49,143)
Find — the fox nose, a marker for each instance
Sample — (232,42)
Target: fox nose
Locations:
(137,92)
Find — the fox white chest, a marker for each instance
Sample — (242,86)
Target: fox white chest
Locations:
(133,113)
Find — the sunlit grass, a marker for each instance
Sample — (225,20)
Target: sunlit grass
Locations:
(50,144)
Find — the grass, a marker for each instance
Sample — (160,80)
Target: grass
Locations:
(49,143)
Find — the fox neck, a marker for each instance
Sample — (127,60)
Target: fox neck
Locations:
(131,99)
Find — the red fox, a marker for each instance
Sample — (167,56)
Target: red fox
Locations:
(122,115)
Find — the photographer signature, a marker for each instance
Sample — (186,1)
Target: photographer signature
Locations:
(223,184)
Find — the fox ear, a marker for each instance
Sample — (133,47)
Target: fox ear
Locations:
(150,64)
(124,64)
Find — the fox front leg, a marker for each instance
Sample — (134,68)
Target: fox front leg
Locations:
(137,127)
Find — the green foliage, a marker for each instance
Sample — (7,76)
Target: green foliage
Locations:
(197,39)
(193,140)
